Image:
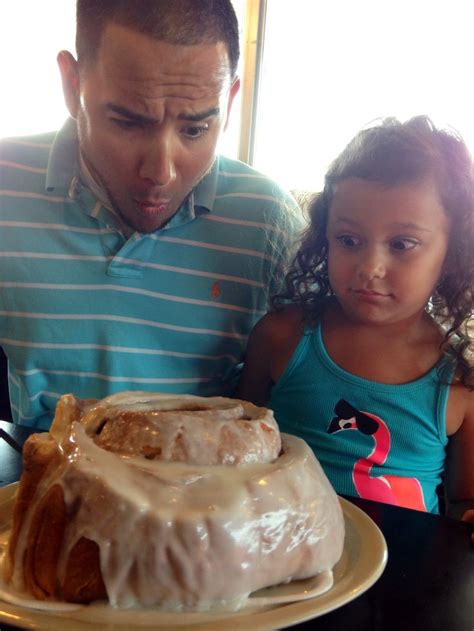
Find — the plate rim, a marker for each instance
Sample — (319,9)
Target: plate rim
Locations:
(374,544)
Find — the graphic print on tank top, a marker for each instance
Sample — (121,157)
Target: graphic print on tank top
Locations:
(390,489)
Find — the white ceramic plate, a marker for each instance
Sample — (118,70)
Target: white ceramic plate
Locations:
(362,562)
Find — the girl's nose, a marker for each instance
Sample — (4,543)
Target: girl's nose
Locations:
(371,265)
(157,164)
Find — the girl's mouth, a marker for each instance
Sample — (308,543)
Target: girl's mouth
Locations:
(370,295)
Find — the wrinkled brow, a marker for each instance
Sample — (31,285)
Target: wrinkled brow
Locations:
(143,119)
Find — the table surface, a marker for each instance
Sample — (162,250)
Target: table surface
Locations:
(427,585)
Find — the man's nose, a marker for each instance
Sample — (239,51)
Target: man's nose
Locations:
(157,163)
(371,264)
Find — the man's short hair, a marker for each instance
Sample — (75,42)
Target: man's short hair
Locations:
(181,22)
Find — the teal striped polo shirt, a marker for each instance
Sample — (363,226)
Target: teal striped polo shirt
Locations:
(88,310)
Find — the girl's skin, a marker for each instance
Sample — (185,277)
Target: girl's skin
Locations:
(386,253)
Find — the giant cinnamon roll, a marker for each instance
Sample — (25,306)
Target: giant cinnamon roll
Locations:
(182,502)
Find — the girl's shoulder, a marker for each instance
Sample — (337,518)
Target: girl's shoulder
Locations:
(460,409)
(284,323)
(269,349)
(275,338)
(459,462)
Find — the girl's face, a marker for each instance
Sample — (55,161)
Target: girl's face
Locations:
(386,248)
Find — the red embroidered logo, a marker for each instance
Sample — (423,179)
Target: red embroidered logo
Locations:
(216,290)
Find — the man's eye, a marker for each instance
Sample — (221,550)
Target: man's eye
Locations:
(348,241)
(195,131)
(401,245)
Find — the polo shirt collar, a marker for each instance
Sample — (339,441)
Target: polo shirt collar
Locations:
(205,191)
(199,201)
(63,163)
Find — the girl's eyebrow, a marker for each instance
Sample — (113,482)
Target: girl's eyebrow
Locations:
(346,220)
(399,225)
(409,225)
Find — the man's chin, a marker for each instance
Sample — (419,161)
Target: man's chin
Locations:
(144,220)
(147,225)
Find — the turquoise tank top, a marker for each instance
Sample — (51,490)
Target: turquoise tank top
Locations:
(378,441)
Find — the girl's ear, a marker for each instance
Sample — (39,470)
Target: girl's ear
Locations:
(449,265)
(70,79)
(448,270)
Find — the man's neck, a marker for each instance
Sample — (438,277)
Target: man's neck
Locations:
(99,191)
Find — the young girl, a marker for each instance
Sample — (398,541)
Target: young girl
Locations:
(372,362)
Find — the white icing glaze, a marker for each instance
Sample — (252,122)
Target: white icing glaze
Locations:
(193,536)
(268,597)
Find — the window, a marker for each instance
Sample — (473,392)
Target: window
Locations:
(329,68)
(31,35)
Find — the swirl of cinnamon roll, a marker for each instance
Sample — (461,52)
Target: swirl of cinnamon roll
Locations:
(195,430)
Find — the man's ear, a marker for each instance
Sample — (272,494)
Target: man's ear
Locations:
(234,88)
(70,80)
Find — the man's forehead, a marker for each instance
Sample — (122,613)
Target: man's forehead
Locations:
(126,51)
(137,72)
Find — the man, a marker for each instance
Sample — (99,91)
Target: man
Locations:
(132,256)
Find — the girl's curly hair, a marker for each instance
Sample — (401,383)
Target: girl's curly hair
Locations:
(393,153)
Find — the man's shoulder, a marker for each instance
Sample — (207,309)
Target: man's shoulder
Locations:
(27,151)
(239,175)
(237,166)
(248,192)
(33,141)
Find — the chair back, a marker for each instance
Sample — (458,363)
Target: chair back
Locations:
(5,410)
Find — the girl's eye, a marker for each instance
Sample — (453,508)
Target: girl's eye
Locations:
(348,241)
(401,245)
(195,132)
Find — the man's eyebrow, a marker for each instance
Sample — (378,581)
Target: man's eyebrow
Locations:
(213,111)
(123,111)
(142,118)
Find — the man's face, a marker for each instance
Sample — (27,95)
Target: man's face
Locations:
(149,115)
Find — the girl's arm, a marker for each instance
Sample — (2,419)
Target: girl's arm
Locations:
(255,381)
(270,347)
(460,465)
